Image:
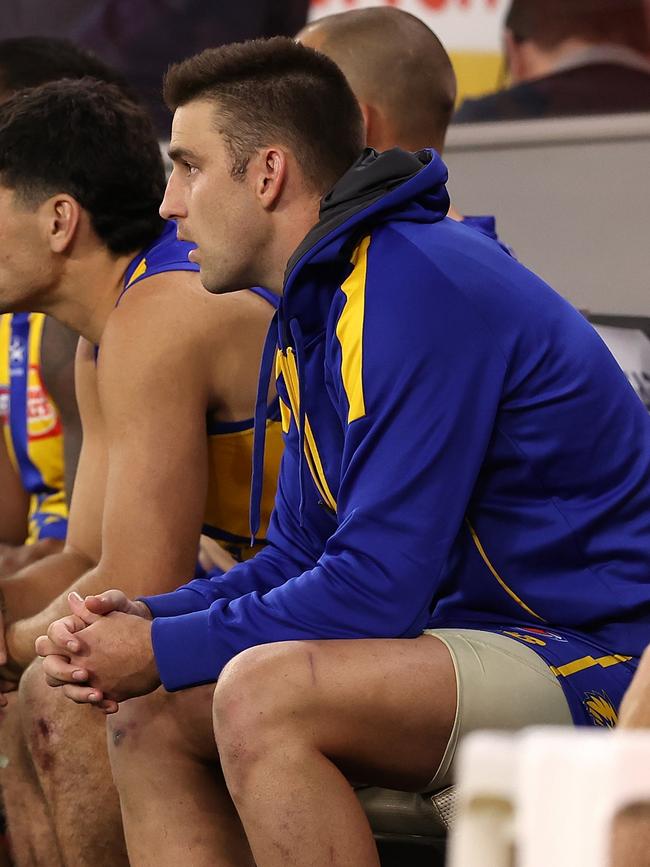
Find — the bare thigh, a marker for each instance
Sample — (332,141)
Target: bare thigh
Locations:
(382,710)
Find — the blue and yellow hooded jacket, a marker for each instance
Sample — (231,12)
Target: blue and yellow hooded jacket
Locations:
(461,449)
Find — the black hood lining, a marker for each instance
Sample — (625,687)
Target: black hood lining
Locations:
(365,182)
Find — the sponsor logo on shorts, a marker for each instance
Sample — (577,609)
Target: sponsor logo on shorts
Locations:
(600,708)
(542,633)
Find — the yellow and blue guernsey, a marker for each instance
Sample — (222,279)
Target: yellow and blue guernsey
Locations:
(230,445)
(461,451)
(31,426)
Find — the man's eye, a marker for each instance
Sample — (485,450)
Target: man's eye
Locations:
(189,169)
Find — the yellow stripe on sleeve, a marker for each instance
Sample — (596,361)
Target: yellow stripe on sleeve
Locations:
(349,331)
(285,416)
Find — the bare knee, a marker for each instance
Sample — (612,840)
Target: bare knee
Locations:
(39,706)
(125,729)
(264,694)
(159,725)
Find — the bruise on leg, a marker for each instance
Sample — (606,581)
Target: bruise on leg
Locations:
(28,817)
(123,730)
(41,734)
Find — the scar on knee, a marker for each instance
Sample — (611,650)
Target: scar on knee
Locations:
(312,667)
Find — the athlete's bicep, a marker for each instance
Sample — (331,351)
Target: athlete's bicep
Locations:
(14,500)
(85,522)
(153,398)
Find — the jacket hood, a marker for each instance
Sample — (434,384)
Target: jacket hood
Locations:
(393,185)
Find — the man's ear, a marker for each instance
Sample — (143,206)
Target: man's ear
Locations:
(60,217)
(271,176)
(368,113)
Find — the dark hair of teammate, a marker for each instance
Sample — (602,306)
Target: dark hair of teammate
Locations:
(87,139)
(275,91)
(34,60)
(393,61)
(549,22)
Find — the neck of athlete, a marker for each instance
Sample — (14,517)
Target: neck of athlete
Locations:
(89,282)
(290,224)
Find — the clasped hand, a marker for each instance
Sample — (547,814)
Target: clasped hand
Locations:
(101,653)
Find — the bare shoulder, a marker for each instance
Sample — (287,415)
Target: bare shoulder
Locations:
(161,308)
(242,315)
(234,335)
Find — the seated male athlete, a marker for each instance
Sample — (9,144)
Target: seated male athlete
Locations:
(166,378)
(41,432)
(406,97)
(461,536)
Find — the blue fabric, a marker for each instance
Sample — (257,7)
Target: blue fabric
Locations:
(486,224)
(499,476)
(166,253)
(29,472)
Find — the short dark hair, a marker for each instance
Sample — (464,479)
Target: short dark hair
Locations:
(415,86)
(33,60)
(276,90)
(87,139)
(550,22)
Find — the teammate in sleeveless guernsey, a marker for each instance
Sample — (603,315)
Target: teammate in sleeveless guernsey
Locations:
(230,444)
(31,425)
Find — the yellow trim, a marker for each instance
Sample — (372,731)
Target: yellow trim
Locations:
(285,416)
(287,364)
(486,560)
(585,662)
(5,379)
(349,330)
(139,271)
(36,324)
(316,467)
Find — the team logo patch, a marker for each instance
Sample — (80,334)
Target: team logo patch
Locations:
(542,633)
(600,709)
(42,418)
(533,635)
(17,352)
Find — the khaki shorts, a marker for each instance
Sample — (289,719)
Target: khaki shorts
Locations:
(500,684)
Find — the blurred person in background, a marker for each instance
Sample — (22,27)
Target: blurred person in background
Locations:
(570,57)
(141,39)
(406,97)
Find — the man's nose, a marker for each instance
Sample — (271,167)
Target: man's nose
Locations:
(172,207)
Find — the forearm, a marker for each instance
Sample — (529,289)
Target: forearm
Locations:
(14,559)
(35,586)
(22,634)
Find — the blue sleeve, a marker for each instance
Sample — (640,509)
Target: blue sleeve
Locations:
(417,394)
